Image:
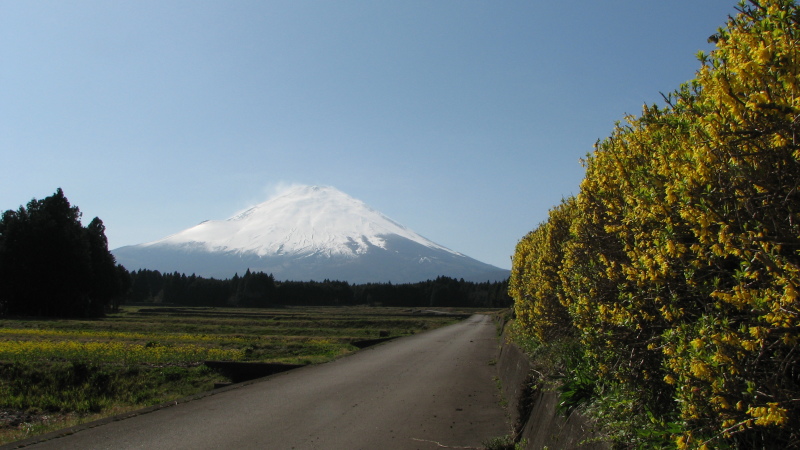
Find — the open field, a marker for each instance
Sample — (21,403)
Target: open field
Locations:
(57,372)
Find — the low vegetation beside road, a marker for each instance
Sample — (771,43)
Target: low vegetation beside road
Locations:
(56,373)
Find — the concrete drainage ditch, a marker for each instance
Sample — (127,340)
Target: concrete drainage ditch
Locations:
(534,412)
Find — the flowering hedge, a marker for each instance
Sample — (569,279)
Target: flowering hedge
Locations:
(680,271)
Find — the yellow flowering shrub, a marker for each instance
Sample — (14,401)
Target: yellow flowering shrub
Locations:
(535,279)
(681,268)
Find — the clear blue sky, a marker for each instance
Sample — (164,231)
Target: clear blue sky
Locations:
(464,120)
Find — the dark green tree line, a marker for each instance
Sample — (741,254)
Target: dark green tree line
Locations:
(256,289)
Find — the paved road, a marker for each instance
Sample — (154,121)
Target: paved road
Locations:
(425,391)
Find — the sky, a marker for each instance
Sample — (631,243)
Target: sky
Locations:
(464,120)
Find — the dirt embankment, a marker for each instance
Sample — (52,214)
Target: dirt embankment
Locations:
(534,412)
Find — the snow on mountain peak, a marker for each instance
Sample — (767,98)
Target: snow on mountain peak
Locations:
(304,219)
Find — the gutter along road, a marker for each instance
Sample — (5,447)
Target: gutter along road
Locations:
(426,391)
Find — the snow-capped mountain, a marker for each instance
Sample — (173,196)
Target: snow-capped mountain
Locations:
(307,233)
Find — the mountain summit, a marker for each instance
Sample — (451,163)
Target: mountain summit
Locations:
(307,233)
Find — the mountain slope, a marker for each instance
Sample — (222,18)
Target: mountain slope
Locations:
(308,232)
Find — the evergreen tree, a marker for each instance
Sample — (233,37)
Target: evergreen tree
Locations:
(50,265)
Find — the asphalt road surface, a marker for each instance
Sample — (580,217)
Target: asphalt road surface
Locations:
(432,390)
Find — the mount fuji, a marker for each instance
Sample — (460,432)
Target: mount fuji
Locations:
(307,233)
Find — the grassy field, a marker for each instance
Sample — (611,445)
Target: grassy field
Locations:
(57,373)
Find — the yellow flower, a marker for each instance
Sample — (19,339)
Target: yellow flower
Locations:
(763,54)
(700,369)
(772,414)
